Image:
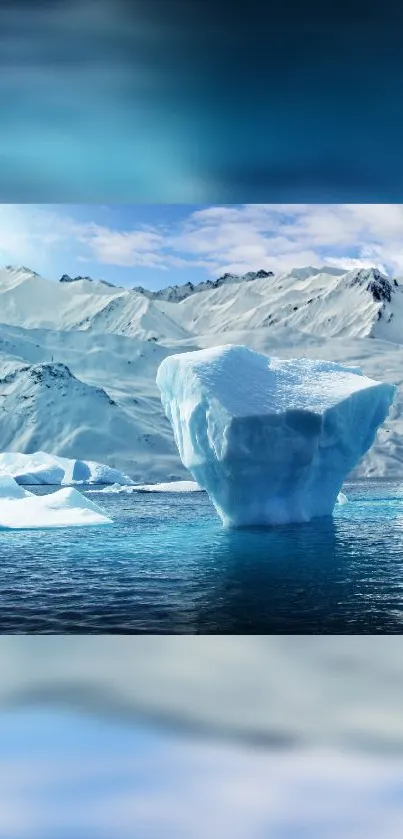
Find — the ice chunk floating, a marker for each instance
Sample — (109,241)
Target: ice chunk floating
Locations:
(43,468)
(21,510)
(171,486)
(270,439)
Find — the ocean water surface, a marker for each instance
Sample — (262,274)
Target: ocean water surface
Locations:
(167,565)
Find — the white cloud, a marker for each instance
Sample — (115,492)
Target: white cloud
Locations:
(123,248)
(216,238)
(284,236)
(350,264)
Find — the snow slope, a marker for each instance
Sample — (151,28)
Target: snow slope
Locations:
(26,299)
(123,427)
(329,304)
(326,302)
(78,360)
(43,468)
(44,407)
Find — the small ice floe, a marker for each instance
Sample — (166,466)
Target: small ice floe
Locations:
(22,510)
(171,486)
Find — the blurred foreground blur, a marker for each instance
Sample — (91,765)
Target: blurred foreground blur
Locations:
(343,691)
(181,736)
(168,100)
(65,775)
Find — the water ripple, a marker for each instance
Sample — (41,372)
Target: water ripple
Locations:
(168,566)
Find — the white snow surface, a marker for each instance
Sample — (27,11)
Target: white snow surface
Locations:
(22,510)
(43,468)
(326,303)
(271,440)
(26,299)
(78,360)
(171,486)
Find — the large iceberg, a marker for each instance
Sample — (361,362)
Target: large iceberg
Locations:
(22,510)
(43,468)
(270,439)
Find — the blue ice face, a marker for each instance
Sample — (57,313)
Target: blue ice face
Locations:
(271,440)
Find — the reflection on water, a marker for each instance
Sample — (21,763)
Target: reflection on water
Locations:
(167,565)
(282,580)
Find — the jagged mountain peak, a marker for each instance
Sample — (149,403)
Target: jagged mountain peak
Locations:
(41,373)
(34,380)
(21,269)
(325,301)
(176,293)
(50,370)
(378,284)
(363,274)
(65,278)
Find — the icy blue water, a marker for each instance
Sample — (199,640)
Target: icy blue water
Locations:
(168,565)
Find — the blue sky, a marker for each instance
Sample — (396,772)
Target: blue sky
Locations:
(155,245)
(64,776)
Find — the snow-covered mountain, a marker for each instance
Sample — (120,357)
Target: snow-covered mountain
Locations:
(174,294)
(107,410)
(42,402)
(66,279)
(78,358)
(26,299)
(357,303)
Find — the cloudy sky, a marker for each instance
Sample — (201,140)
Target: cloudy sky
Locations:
(164,244)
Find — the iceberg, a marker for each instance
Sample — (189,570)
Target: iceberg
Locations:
(170,486)
(43,468)
(271,440)
(22,510)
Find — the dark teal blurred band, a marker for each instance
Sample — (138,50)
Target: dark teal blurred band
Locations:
(174,101)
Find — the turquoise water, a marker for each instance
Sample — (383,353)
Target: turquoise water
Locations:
(167,565)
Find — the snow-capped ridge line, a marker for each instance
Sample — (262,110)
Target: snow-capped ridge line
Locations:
(65,278)
(176,293)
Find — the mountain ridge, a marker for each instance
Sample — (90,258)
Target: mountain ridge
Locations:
(85,338)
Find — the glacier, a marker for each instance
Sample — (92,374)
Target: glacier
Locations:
(22,510)
(43,468)
(271,440)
